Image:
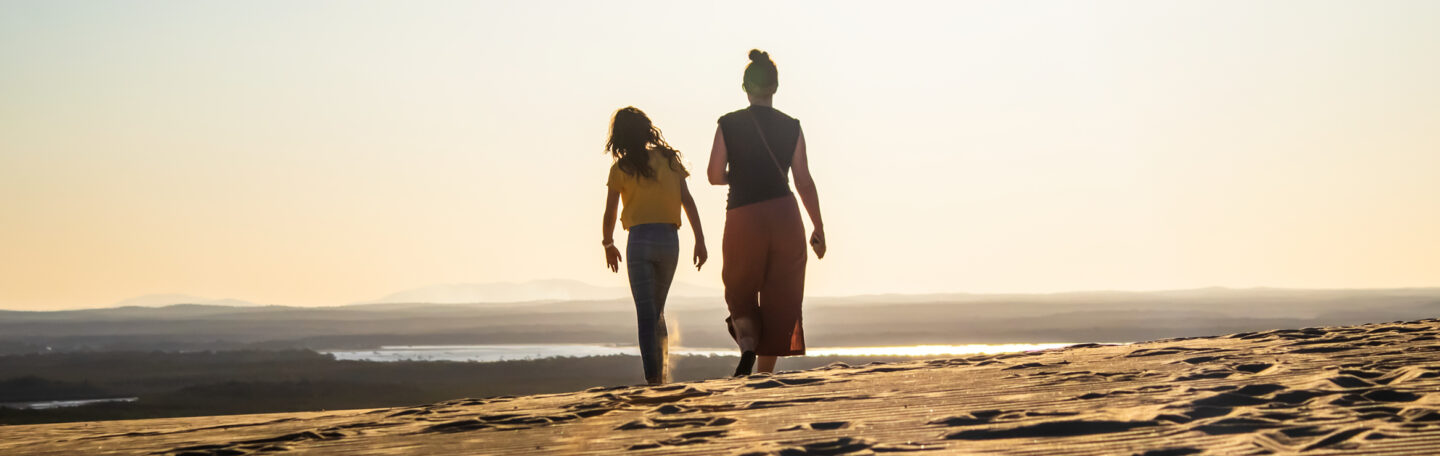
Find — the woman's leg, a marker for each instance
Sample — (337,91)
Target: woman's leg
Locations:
(765,363)
(783,291)
(642,288)
(743,273)
(747,332)
(666,258)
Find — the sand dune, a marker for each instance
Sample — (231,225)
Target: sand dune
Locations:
(1369,389)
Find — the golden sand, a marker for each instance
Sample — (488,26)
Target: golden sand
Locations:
(1369,389)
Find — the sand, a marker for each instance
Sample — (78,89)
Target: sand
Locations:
(1369,389)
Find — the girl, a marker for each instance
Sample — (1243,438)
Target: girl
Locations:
(756,150)
(648,177)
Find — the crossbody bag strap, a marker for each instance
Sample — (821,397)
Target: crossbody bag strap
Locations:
(761,131)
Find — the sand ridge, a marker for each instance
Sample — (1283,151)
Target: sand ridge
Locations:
(1367,389)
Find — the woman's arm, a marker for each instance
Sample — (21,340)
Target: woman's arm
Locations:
(612,254)
(805,184)
(716,171)
(688,202)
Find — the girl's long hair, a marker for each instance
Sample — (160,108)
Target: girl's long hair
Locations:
(631,135)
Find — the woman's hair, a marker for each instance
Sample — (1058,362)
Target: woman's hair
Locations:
(631,134)
(761,78)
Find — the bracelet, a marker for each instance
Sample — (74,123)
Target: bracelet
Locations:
(607,243)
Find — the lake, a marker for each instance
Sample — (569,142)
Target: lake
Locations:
(42,405)
(508,352)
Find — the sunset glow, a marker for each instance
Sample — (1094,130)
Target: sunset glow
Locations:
(326,153)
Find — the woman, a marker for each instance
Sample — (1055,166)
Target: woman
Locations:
(756,150)
(649,178)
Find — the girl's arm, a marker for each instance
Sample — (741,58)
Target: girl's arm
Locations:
(612,254)
(716,171)
(805,184)
(688,202)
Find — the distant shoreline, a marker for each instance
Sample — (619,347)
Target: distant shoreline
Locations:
(503,352)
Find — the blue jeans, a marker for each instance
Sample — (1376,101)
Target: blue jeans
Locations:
(651,255)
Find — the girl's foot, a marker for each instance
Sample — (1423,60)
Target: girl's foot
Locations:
(747,364)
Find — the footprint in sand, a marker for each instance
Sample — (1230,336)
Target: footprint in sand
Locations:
(1253,368)
(599,389)
(1202,359)
(668,423)
(1339,440)
(1177,451)
(1205,374)
(948,362)
(664,396)
(1035,365)
(411,411)
(776,382)
(1064,428)
(672,409)
(818,426)
(844,446)
(1259,389)
(1420,415)
(1238,425)
(1334,339)
(994,416)
(1148,389)
(688,438)
(508,421)
(968,419)
(763,404)
(1173,350)
(1323,349)
(1397,329)
(464,425)
(1379,395)
(252,445)
(887,367)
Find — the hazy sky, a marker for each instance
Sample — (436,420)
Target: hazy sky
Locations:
(321,153)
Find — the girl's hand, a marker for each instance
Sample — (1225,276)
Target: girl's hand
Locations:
(700,255)
(817,242)
(612,258)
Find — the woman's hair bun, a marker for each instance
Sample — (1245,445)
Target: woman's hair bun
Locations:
(759,56)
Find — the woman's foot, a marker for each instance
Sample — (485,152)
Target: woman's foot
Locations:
(747,364)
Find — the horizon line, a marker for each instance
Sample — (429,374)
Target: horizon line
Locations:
(861,295)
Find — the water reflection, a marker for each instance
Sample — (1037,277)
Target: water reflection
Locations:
(42,405)
(490,353)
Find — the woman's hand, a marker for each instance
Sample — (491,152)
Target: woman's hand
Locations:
(817,242)
(612,258)
(700,255)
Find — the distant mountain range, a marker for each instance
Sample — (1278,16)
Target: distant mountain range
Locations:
(559,290)
(536,290)
(855,321)
(458,293)
(163,300)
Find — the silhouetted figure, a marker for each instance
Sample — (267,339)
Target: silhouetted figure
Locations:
(756,150)
(649,178)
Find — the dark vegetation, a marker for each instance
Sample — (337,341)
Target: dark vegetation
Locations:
(233,382)
(35,389)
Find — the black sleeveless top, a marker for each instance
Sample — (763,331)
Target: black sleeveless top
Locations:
(753,177)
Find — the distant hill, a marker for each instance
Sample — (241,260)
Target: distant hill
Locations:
(536,290)
(170,299)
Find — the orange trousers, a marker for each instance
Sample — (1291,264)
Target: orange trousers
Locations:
(764,272)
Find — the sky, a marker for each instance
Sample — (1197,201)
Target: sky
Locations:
(324,153)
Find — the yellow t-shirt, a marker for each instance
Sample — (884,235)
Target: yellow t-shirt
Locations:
(649,200)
